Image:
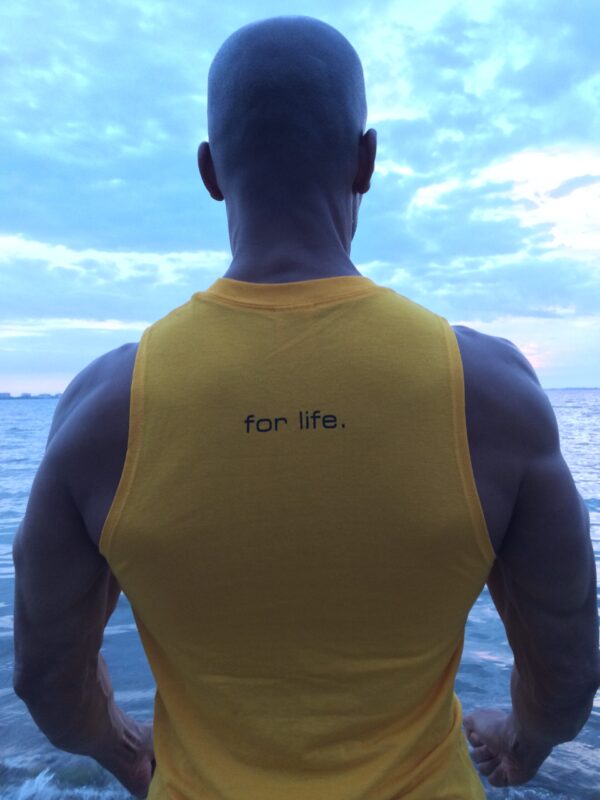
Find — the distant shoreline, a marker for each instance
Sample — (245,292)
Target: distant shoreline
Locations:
(27,396)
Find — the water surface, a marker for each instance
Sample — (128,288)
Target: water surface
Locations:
(30,768)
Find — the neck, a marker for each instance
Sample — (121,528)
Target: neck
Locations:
(306,241)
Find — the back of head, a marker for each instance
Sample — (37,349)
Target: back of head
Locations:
(286,107)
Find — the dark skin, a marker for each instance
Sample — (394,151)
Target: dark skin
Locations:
(543,582)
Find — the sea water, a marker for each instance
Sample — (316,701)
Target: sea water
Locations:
(30,768)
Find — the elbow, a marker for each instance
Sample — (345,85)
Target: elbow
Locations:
(580,690)
(29,669)
(24,685)
(33,682)
(590,678)
(595,682)
(582,703)
(21,683)
(49,709)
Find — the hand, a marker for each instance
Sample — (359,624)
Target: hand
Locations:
(132,760)
(500,754)
(136,776)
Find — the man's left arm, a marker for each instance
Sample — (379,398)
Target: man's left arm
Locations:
(64,597)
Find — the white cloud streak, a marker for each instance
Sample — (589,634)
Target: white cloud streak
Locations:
(536,178)
(25,328)
(107,266)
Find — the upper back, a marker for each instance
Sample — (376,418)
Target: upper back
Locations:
(503,400)
(506,412)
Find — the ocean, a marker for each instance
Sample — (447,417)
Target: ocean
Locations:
(30,768)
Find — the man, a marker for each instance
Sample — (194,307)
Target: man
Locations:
(279,478)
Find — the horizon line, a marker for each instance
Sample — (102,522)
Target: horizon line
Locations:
(57,395)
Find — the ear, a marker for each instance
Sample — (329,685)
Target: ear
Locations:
(367,150)
(207,172)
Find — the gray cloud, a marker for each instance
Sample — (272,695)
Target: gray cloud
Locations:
(566,187)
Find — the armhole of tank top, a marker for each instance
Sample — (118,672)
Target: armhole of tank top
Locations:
(457,389)
(134,445)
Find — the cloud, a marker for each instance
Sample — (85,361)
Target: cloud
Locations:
(103,267)
(484,205)
(430,196)
(528,201)
(570,185)
(24,328)
(387,167)
(66,67)
(563,48)
(557,188)
(492,82)
(561,350)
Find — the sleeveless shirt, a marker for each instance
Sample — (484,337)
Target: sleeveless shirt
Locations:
(298,531)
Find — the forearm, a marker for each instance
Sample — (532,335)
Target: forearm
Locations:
(551,718)
(79,716)
(557,659)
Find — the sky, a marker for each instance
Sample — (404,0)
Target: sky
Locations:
(485,204)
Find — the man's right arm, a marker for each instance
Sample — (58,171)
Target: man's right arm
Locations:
(543,584)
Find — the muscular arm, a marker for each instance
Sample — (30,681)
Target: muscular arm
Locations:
(543,582)
(65,595)
(544,587)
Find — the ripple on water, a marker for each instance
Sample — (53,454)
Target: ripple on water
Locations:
(6,625)
(7,567)
(114,630)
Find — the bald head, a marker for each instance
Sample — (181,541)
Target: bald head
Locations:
(286,106)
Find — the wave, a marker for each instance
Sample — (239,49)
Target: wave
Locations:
(69,783)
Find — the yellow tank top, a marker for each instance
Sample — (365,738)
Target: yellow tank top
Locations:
(299,534)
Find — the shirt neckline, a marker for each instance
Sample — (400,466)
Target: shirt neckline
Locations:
(290,294)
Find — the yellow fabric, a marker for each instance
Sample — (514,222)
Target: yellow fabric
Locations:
(301,592)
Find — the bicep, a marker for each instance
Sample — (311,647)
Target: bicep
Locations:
(64,592)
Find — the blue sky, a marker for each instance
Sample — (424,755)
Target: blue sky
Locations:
(485,206)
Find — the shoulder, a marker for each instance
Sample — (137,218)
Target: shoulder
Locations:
(97,392)
(89,432)
(493,357)
(502,391)
(87,440)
